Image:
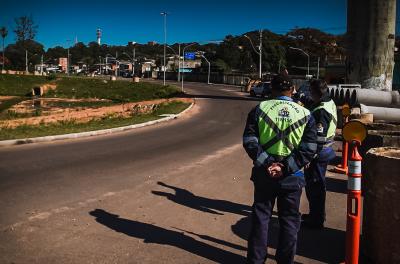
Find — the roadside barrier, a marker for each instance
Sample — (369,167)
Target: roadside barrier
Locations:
(353,132)
(342,168)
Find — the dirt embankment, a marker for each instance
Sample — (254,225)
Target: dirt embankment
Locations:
(85,114)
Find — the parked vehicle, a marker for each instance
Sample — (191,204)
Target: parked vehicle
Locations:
(262,89)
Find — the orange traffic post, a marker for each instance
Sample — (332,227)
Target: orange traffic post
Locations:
(353,206)
(342,168)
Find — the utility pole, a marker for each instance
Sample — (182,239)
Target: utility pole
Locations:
(26,61)
(133,62)
(179,62)
(41,65)
(260,54)
(165,38)
(116,64)
(318,69)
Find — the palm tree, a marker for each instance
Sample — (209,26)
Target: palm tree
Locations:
(4,33)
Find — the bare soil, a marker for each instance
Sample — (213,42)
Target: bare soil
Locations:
(51,114)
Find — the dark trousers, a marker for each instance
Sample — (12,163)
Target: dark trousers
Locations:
(316,185)
(288,203)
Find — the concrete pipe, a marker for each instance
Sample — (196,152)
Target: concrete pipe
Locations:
(382,113)
(375,98)
(341,95)
(337,96)
(332,93)
(381,211)
(347,96)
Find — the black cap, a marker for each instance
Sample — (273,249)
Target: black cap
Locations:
(281,82)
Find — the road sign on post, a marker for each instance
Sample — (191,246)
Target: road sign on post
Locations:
(190,55)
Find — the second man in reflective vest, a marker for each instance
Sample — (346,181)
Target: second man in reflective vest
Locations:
(324,113)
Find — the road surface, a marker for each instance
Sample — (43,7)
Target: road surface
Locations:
(177,192)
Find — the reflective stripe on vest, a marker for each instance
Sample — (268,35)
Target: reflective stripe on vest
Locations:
(330,108)
(281,126)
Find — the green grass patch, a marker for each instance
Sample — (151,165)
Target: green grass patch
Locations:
(19,85)
(118,91)
(66,127)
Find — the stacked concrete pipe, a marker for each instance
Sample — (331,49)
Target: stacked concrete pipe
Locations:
(372,97)
(382,113)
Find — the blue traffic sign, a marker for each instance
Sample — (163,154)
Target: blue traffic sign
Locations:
(190,55)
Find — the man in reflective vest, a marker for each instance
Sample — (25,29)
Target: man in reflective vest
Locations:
(280,138)
(324,113)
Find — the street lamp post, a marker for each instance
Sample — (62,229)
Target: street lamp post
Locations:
(308,58)
(106,58)
(183,62)
(179,62)
(41,65)
(68,41)
(179,59)
(26,61)
(165,37)
(259,52)
(209,68)
(131,60)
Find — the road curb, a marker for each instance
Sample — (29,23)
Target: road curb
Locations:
(12,142)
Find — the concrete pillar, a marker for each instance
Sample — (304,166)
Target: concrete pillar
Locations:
(381,211)
(371,36)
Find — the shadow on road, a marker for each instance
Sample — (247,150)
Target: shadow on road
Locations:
(203,204)
(326,245)
(158,235)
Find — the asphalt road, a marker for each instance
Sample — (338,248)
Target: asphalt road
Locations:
(177,192)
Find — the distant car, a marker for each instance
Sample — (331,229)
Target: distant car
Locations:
(126,74)
(262,89)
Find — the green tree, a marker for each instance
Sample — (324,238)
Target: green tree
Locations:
(16,54)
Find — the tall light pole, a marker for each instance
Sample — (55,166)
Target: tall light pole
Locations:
(68,41)
(165,37)
(41,65)
(209,67)
(308,58)
(179,62)
(259,52)
(183,62)
(26,61)
(178,57)
(130,59)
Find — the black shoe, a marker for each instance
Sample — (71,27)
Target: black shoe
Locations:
(308,223)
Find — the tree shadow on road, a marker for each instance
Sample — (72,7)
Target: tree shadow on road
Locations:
(203,204)
(326,245)
(158,235)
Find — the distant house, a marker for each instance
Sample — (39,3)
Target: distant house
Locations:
(63,63)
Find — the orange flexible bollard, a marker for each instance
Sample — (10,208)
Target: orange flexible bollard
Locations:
(342,168)
(353,206)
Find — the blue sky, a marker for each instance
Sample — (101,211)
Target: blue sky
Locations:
(122,21)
